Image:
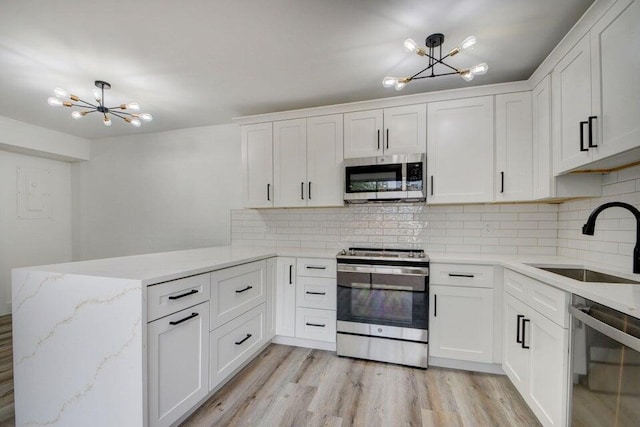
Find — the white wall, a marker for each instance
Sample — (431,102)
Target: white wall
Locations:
(28,241)
(615,232)
(157,192)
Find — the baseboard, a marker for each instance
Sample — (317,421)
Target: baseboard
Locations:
(301,342)
(488,368)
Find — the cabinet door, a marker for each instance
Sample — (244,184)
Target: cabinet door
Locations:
(461,323)
(290,162)
(363,134)
(571,107)
(515,358)
(257,160)
(514,178)
(542,168)
(178,363)
(615,50)
(460,151)
(325,172)
(272,268)
(548,365)
(286,297)
(405,129)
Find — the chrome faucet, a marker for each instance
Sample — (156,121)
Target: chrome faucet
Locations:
(590,226)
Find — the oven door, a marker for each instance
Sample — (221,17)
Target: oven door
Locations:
(381,295)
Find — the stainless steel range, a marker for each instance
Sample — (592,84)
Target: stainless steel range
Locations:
(383,312)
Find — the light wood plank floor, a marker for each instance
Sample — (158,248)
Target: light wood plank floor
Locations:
(6,372)
(291,386)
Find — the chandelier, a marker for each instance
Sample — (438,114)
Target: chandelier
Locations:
(129,112)
(433,42)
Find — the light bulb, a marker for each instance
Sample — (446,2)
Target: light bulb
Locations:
(131,106)
(54,102)
(479,69)
(146,117)
(97,95)
(135,122)
(106,121)
(77,115)
(468,42)
(410,45)
(61,93)
(400,84)
(467,75)
(389,81)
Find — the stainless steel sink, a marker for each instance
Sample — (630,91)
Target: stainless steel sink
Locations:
(584,275)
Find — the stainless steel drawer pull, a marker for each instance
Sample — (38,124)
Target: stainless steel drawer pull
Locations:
(191,292)
(316,293)
(319,325)
(243,339)
(239,291)
(314,267)
(460,275)
(177,322)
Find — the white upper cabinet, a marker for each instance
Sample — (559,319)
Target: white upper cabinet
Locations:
(257,157)
(596,95)
(397,130)
(460,163)
(542,166)
(514,178)
(325,172)
(290,162)
(307,162)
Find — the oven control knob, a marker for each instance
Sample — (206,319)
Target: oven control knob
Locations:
(352,252)
(421,254)
(411,255)
(343,252)
(380,330)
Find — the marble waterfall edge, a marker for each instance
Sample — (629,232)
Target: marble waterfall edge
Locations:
(85,336)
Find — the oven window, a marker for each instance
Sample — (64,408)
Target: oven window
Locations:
(374,178)
(392,300)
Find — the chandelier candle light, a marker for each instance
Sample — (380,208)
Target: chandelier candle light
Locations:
(66,99)
(432,42)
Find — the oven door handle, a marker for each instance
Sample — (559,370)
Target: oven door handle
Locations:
(392,270)
(608,330)
(355,285)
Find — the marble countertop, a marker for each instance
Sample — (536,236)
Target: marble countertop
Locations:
(160,267)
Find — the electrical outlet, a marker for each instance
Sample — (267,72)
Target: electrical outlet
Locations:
(487,229)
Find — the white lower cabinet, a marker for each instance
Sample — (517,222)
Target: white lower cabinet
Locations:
(178,363)
(461,323)
(314,324)
(285,287)
(536,350)
(235,342)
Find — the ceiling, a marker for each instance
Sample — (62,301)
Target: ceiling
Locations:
(202,62)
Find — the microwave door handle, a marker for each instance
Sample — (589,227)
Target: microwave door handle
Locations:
(605,329)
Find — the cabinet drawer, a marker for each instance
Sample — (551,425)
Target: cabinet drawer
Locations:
(236,290)
(316,267)
(234,343)
(471,275)
(316,292)
(314,324)
(169,297)
(545,299)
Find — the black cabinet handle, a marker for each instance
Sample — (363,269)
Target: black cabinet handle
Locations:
(291,274)
(316,293)
(378,139)
(524,329)
(435,305)
(243,339)
(387,138)
(239,291)
(313,267)
(191,292)
(309,195)
(319,325)
(268,192)
(460,275)
(591,119)
(582,136)
(302,190)
(177,322)
(432,185)
(502,182)
(518,339)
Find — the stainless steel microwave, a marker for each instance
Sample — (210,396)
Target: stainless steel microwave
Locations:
(399,177)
